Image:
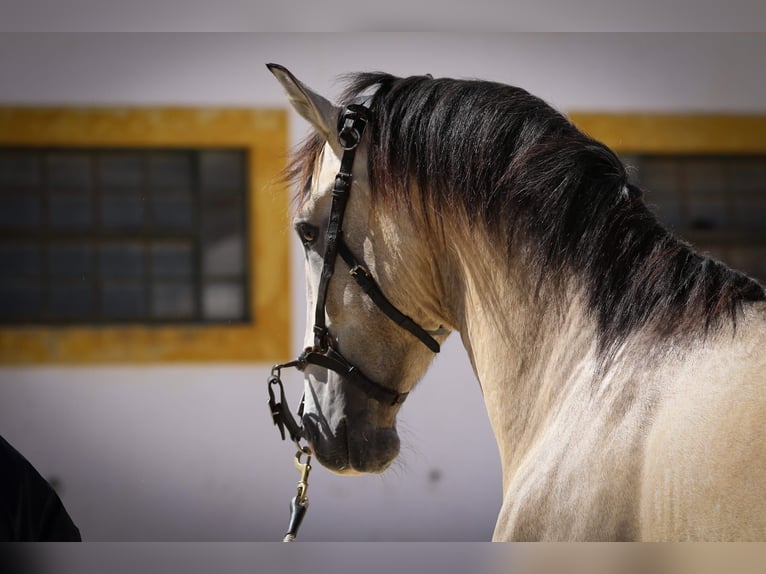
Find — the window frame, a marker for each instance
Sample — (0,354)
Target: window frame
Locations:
(263,134)
(655,133)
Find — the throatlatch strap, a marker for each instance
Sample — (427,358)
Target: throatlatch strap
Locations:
(367,282)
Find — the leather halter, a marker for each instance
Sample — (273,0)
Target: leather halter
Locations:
(351,126)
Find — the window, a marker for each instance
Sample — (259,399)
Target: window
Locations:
(142,235)
(131,235)
(704,176)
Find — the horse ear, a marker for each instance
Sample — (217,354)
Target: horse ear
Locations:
(319,112)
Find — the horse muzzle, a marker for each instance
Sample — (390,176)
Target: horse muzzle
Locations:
(347,449)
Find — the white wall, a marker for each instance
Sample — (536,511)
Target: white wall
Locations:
(392,15)
(188,452)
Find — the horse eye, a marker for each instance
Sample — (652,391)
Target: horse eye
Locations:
(307,232)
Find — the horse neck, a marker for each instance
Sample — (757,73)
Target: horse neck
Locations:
(523,341)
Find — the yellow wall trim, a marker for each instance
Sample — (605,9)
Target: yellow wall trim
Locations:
(675,134)
(263,133)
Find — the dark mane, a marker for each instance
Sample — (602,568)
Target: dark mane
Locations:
(513,164)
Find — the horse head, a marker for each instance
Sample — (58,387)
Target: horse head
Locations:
(378,317)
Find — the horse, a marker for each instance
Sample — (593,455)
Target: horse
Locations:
(623,373)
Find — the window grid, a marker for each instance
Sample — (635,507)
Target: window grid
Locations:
(45,234)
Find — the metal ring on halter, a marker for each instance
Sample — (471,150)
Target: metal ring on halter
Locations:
(349,137)
(351,125)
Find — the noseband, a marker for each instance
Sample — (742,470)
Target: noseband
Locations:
(351,126)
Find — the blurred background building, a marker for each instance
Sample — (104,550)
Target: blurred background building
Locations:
(149,277)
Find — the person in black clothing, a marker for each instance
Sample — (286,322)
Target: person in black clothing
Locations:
(30,510)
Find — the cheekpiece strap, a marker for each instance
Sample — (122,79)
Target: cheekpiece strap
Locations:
(350,131)
(367,283)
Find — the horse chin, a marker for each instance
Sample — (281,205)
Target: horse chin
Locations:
(352,451)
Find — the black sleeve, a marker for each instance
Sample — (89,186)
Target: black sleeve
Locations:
(30,510)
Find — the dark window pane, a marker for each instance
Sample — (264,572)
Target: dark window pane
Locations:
(19,260)
(172,260)
(19,212)
(223,300)
(751,211)
(71,212)
(172,212)
(69,171)
(74,260)
(707,211)
(19,170)
(747,175)
(125,260)
(658,175)
(122,212)
(173,300)
(20,301)
(221,170)
(752,215)
(223,242)
(218,224)
(123,301)
(170,171)
(666,206)
(223,257)
(73,301)
(121,171)
(702,175)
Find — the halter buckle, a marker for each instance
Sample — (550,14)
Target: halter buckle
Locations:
(351,126)
(359,269)
(363,277)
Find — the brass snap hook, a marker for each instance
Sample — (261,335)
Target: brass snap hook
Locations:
(304,468)
(300,502)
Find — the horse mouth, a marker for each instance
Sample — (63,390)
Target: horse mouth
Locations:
(352,451)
